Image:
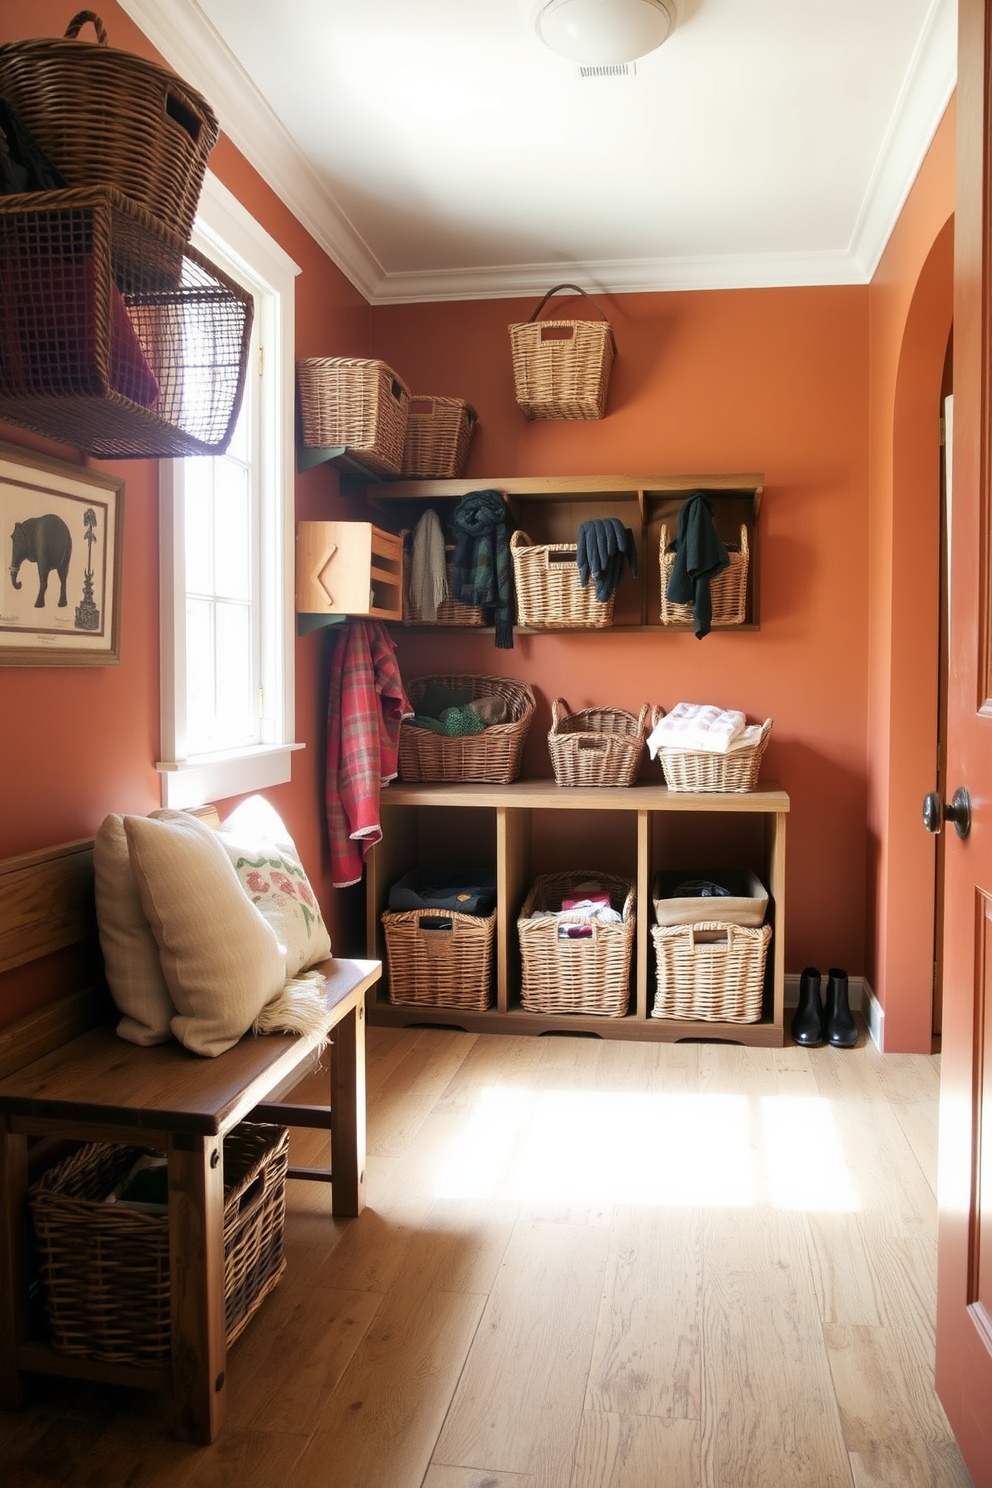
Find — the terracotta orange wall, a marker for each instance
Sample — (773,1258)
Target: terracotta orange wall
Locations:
(911,305)
(778,381)
(773,381)
(77,743)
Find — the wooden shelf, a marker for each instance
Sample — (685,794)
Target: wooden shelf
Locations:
(551,508)
(501,825)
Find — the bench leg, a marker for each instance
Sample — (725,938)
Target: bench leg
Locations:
(196,1258)
(13,1263)
(348,1114)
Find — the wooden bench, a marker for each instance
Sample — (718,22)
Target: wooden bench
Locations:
(64,1074)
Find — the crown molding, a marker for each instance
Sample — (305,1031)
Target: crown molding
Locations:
(631,276)
(927,90)
(193,47)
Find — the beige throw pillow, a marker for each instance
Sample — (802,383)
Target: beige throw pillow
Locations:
(130,951)
(268,866)
(222,962)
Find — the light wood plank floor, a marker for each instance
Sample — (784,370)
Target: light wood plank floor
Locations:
(584,1264)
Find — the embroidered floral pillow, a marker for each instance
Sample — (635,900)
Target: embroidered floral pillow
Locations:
(271,874)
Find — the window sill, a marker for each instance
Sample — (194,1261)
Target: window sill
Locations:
(215,777)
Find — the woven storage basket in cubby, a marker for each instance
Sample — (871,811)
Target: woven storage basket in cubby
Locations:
(105,1267)
(576,976)
(116,336)
(596,746)
(728,591)
(561,368)
(108,118)
(494,756)
(354,403)
(438,434)
(439,958)
(711,971)
(705,770)
(449,611)
(550,595)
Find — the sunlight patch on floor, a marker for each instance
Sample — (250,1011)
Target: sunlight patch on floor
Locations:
(678,1149)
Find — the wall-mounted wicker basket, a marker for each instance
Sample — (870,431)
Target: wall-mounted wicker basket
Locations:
(105,1267)
(109,118)
(116,336)
(438,434)
(561,368)
(728,591)
(596,746)
(549,591)
(356,403)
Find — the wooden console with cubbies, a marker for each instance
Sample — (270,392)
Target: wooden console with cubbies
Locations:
(457,825)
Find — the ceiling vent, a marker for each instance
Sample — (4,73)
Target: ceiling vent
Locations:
(609,69)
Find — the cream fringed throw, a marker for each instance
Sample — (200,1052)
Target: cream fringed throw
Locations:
(427,586)
(298,1008)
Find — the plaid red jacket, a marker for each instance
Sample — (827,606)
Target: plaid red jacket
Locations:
(365,704)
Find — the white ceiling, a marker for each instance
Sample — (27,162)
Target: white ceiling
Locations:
(437,150)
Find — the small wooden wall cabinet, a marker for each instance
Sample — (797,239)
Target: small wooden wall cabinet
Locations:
(348,568)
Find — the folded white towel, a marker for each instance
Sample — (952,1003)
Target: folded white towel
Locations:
(701,726)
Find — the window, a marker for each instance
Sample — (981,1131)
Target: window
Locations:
(227,538)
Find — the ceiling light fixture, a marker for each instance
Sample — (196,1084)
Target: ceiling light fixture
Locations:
(602,31)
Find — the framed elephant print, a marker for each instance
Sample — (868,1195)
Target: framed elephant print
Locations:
(62,527)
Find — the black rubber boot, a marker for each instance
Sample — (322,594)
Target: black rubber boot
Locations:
(807,1021)
(839,1025)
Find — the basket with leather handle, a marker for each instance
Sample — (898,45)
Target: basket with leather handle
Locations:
(105,117)
(561,368)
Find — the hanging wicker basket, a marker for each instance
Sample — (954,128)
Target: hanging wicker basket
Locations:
(561,368)
(108,118)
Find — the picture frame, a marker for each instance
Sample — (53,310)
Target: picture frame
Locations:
(60,585)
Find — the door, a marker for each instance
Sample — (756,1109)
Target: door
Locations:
(964,1286)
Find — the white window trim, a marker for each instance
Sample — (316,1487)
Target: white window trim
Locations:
(222,224)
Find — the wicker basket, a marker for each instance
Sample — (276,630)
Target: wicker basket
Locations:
(494,756)
(438,434)
(105,1267)
(439,958)
(357,404)
(550,595)
(561,368)
(596,746)
(108,118)
(576,976)
(449,611)
(705,770)
(728,591)
(96,328)
(710,971)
